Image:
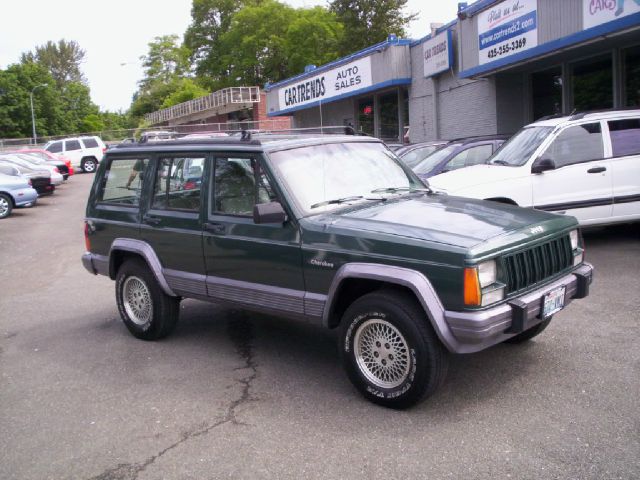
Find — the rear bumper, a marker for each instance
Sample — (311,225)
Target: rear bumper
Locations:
(475,331)
(24,197)
(95,264)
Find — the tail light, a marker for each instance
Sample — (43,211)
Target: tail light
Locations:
(87,241)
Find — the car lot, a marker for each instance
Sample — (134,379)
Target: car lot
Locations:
(239,395)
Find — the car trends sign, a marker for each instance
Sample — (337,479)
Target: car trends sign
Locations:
(342,80)
(506,29)
(597,12)
(437,54)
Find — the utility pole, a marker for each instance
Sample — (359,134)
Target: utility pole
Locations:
(33,115)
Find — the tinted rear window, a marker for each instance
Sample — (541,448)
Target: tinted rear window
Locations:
(90,143)
(72,145)
(55,147)
(625,137)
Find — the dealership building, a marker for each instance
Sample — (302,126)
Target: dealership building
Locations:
(498,66)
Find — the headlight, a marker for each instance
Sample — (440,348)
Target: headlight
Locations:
(487,273)
(573,235)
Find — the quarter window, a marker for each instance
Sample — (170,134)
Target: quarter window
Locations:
(123,181)
(239,184)
(178,183)
(625,137)
(581,143)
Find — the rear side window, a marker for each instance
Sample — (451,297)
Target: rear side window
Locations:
(470,156)
(581,143)
(90,142)
(178,183)
(72,145)
(625,137)
(55,147)
(123,181)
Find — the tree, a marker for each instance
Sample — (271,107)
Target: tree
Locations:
(186,90)
(166,59)
(210,19)
(62,59)
(367,22)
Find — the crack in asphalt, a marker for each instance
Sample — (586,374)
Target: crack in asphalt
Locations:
(240,332)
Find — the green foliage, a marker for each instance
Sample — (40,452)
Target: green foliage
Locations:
(166,60)
(187,90)
(92,123)
(367,22)
(61,59)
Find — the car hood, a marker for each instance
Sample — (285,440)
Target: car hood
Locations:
(447,219)
(463,178)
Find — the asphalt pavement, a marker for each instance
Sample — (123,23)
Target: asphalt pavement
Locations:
(237,395)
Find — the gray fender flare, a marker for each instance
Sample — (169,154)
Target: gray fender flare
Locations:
(145,251)
(415,281)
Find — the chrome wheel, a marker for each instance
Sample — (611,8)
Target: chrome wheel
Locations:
(136,299)
(382,353)
(89,166)
(4,207)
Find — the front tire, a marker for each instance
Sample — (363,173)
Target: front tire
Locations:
(89,165)
(6,205)
(147,312)
(390,351)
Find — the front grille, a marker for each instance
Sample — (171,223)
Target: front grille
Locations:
(523,269)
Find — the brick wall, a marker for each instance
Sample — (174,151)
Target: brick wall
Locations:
(265,122)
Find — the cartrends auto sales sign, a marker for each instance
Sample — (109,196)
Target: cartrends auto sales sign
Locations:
(506,29)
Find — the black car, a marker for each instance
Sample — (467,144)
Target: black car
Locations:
(40,179)
(459,154)
(413,154)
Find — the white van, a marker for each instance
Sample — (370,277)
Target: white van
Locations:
(586,165)
(84,152)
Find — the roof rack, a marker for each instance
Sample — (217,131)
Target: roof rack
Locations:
(323,130)
(478,137)
(581,115)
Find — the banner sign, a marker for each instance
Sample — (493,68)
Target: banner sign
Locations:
(507,28)
(597,12)
(345,79)
(437,53)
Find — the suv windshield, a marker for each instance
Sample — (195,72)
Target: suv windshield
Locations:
(433,160)
(324,177)
(519,148)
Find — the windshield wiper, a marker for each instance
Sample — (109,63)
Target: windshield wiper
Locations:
(498,162)
(402,189)
(337,200)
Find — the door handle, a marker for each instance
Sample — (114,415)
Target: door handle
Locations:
(152,220)
(597,170)
(214,227)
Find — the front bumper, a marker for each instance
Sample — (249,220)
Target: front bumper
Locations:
(475,331)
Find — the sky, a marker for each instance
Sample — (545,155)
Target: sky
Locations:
(115,34)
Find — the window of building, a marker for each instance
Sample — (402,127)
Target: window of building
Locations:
(625,137)
(581,143)
(592,84)
(239,184)
(632,76)
(389,119)
(123,181)
(365,115)
(546,89)
(178,183)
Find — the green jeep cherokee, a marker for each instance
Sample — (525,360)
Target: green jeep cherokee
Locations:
(334,231)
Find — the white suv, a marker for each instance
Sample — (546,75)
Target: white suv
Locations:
(586,165)
(84,152)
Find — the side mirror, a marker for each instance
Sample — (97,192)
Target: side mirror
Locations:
(269,213)
(543,164)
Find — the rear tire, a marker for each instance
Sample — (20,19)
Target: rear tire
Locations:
(89,165)
(530,333)
(6,205)
(147,312)
(390,351)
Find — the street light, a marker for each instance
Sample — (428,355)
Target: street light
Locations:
(33,115)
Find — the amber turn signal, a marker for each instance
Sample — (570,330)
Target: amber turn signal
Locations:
(471,287)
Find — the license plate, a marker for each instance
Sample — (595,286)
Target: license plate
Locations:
(553,302)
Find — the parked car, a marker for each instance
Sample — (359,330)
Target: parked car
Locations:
(459,154)
(586,165)
(157,136)
(84,152)
(334,231)
(15,191)
(415,153)
(66,169)
(40,179)
(34,163)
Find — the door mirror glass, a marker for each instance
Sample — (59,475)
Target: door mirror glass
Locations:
(543,164)
(271,212)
